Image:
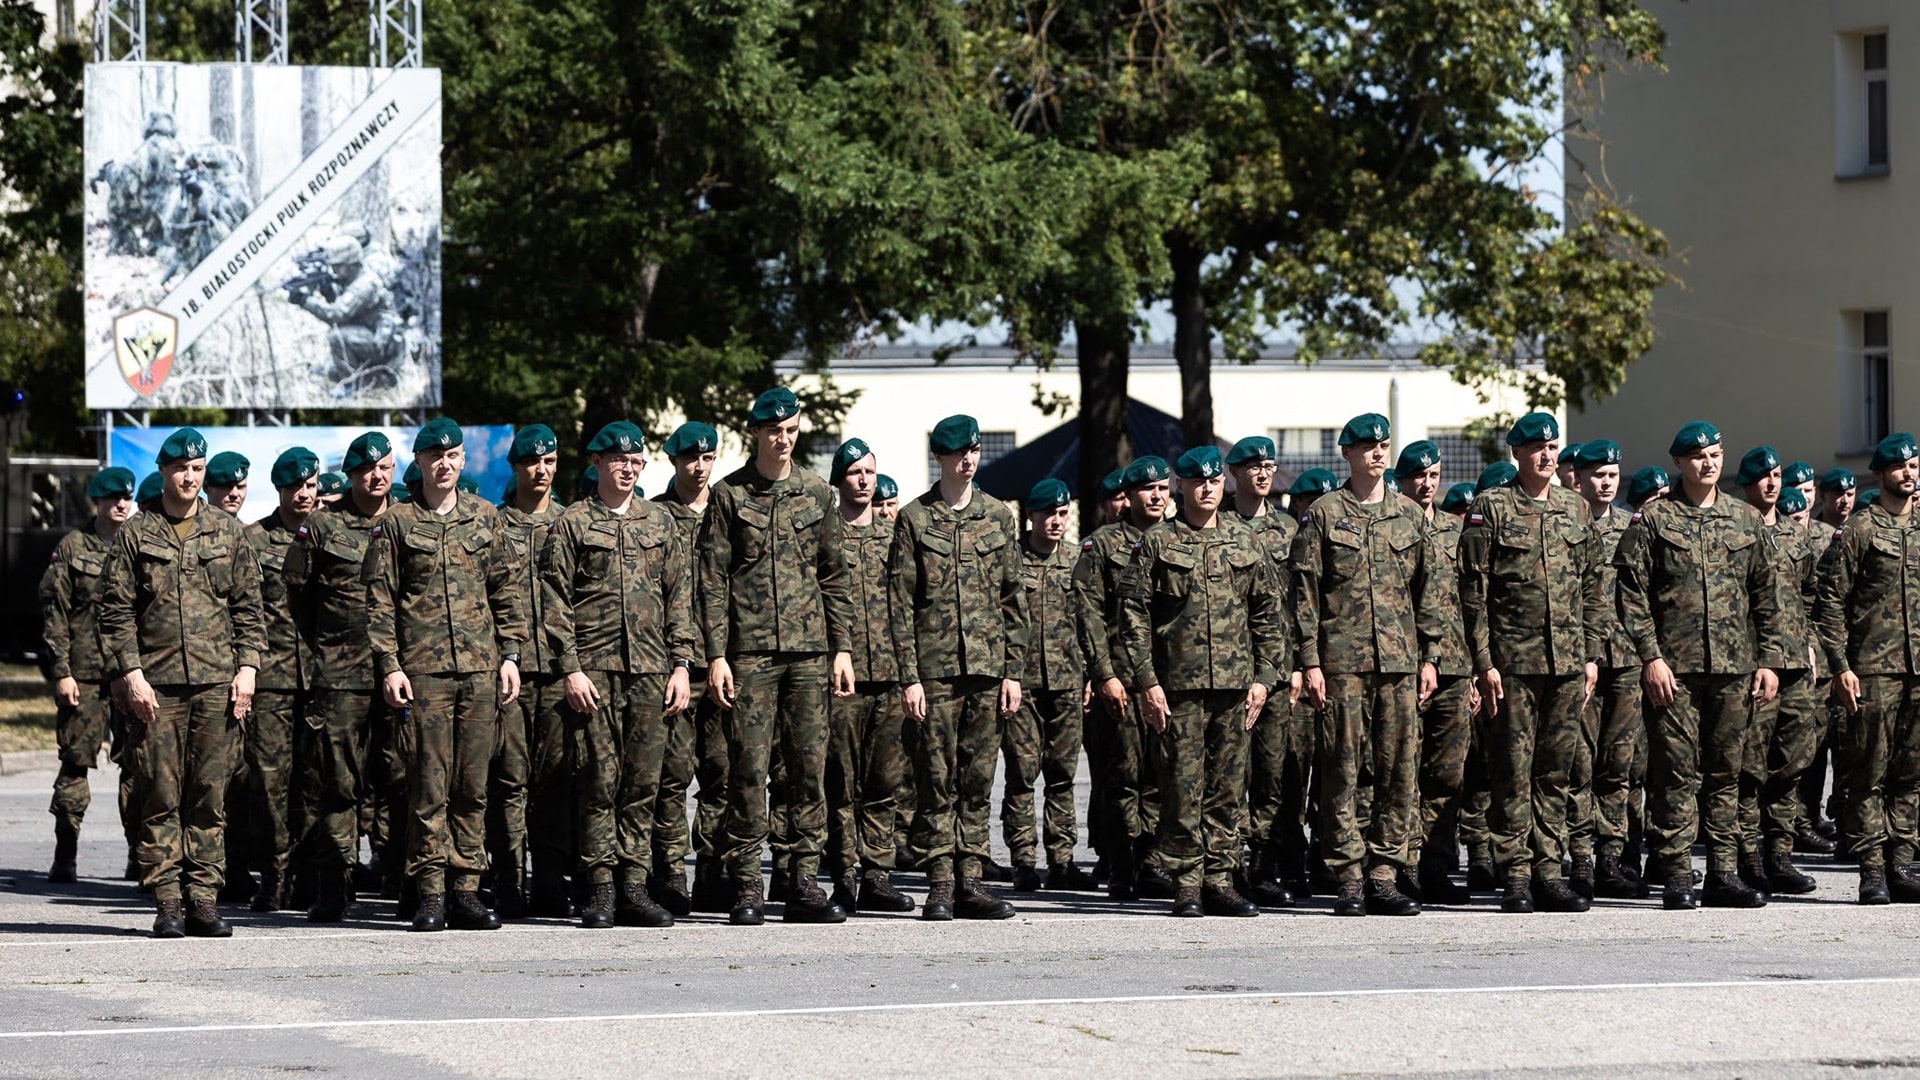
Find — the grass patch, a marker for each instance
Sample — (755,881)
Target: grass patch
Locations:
(27,724)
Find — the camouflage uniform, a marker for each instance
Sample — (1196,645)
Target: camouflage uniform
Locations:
(619,612)
(1200,614)
(442,608)
(1607,820)
(529,788)
(959,628)
(280,701)
(1043,737)
(774,598)
(1280,748)
(1366,614)
(1786,731)
(1832,749)
(1128,762)
(1696,589)
(696,738)
(1869,620)
(186,613)
(1446,724)
(1534,601)
(69,601)
(864,756)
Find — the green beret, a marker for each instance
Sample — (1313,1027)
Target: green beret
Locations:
(1367,427)
(1792,501)
(1695,435)
(333,483)
(773,406)
(1200,463)
(441,433)
(1113,483)
(183,445)
(369,449)
(1457,498)
(1646,483)
(1596,453)
(1570,455)
(1796,474)
(532,441)
(1755,464)
(1252,448)
(884,489)
(1313,482)
(850,451)
(1417,458)
(294,466)
(1836,480)
(1392,482)
(149,488)
(1892,451)
(1048,495)
(954,434)
(692,437)
(1498,474)
(1142,471)
(227,468)
(466,483)
(589,483)
(411,478)
(618,437)
(1869,497)
(110,483)
(1533,427)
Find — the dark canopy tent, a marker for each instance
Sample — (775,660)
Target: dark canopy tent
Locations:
(1057,453)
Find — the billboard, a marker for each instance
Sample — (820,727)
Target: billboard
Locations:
(262,237)
(136,448)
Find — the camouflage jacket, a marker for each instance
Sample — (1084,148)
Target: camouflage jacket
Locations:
(1608,528)
(868,547)
(1104,558)
(186,613)
(287,663)
(70,605)
(1054,660)
(440,595)
(525,534)
(1450,657)
(1532,592)
(1275,530)
(957,604)
(1869,595)
(1796,574)
(617,588)
(686,521)
(328,598)
(773,577)
(1200,609)
(1696,586)
(1363,586)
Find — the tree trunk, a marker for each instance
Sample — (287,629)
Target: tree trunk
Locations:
(1104,353)
(220,104)
(310,105)
(1192,347)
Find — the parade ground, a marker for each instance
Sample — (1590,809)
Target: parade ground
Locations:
(1074,986)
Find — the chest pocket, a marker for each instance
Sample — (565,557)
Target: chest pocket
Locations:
(214,558)
(988,542)
(1173,572)
(645,547)
(87,568)
(1734,548)
(756,521)
(158,568)
(420,550)
(271,560)
(1348,552)
(348,547)
(1403,541)
(595,558)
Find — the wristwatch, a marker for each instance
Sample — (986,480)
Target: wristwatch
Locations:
(683,664)
(513,656)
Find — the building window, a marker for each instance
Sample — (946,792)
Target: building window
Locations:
(1874,66)
(1863,146)
(1461,456)
(1876,387)
(993,446)
(1301,449)
(816,451)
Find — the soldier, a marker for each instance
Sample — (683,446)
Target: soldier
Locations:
(1800,475)
(1648,483)
(1497,475)
(1835,504)
(1569,456)
(76,660)
(227,481)
(1784,732)
(333,487)
(864,755)
(280,703)
(1867,598)
(1367,616)
(1306,488)
(353,761)
(960,635)
(149,489)
(1795,507)
(529,786)
(1697,597)
(1457,500)
(1533,595)
(618,580)
(1113,496)
(696,736)
(447,629)
(775,601)
(1042,739)
(1200,616)
(886,498)
(363,331)
(180,622)
(1115,736)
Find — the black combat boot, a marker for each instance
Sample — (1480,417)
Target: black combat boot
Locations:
(1120,882)
(1266,888)
(1350,899)
(1186,903)
(1810,841)
(1067,877)
(711,893)
(272,894)
(807,902)
(1151,882)
(1385,898)
(971,900)
(1026,878)
(597,913)
(510,897)
(66,854)
(133,870)
(1903,884)
(548,897)
(1753,872)
(1580,876)
(1518,899)
(430,913)
(939,906)
(1611,881)
(330,897)
(1408,885)
(1678,894)
(1557,896)
(170,919)
(877,893)
(1226,900)
(994,872)
(1438,887)
(238,889)
(846,890)
(1101,869)
(466,912)
(670,891)
(636,908)
(1873,887)
(203,919)
(1727,890)
(1480,876)
(749,908)
(1785,878)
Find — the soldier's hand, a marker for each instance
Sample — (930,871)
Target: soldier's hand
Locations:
(1491,691)
(1593,680)
(678,691)
(398,690)
(720,682)
(1157,709)
(842,674)
(1086,696)
(67,691)
(1765,685)
(140,700)
(1114,693)
(1256,701)
(1429,681)
(240,693)
(1316,688)
(1660,685)
(1846,690)
(1473,697)
(509,682)
(914,698)
(582,697)
(1009,696)
(1295,682)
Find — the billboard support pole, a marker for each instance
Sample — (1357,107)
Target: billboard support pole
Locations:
(393,38)
(266,21)
(122,21)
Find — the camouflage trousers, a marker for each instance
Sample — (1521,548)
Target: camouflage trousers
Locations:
(1475,798)
(1446,734)
(448,737)
(551,802)
(185,761)
(269,800)
(954,752)
(1694,747)
(1884,785)
(1829,756)
(1042,739)
(1132,778)
(1279,770)
(82,730)
(1203,781)
(1531,743)
(1367,758)
(344,770)
(1780,745)
(1615,765)
(864,763)
(779,697)
(710,767)
(508,777)
(672,827)
(616,753)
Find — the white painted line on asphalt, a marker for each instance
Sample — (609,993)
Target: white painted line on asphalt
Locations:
(991,1003)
